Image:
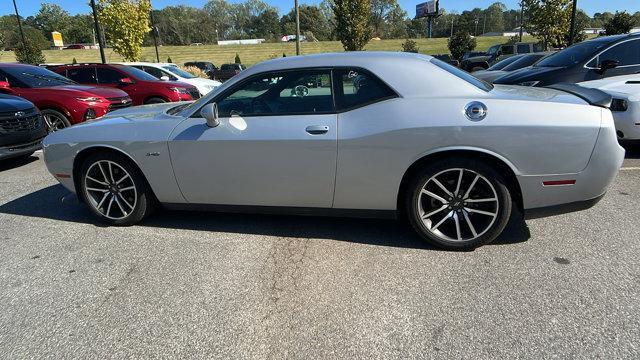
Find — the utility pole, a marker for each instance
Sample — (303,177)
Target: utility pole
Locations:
(98,33)
(24,43)
(572,29)
(521,18)
(297,27)
(452,26)
(484,25)
(475,33)
(154,33)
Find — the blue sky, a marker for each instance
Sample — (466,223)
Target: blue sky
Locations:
(30,7)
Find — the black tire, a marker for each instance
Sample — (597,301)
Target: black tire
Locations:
(55,120)
(415,205)
(143,205)
(155,100)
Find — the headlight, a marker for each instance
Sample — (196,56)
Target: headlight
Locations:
(90,99)
(529,83)
(179,90)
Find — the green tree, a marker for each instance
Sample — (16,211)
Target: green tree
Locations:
(80,30)
(549,20)
(493,17)
(29,54)
(620,23)
(352,17)
(126,24)
(51,17)
(461,43)
(410,46)
(311,20)
(237,59)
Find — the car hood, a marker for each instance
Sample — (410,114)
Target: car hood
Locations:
(143,111)
(95,90)
(201,81)
(629,84)
(174,84)
(478,58)
(526,74)
(13,103)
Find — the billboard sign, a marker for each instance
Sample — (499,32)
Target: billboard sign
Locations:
(429,8)
(57,39)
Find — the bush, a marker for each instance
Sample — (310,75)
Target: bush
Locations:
(284,55)
(410,46)
(620,23)
(461,43)
(169,60)
(237,60)
(74,61)
(195,71)
(29,54)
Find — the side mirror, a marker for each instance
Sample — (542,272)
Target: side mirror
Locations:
(608,64)
(210,113)
(164,78)
(126,81)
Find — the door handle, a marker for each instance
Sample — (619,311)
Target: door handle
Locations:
(317,129)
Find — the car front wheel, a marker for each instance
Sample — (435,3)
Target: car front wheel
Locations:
(458,204)
(114,189)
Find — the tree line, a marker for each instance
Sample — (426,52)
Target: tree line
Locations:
(223,20)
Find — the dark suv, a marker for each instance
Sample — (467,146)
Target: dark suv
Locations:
(143,88)
(589,60)
(21,127)
(497,53)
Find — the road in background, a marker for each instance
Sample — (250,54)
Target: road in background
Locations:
(208,285)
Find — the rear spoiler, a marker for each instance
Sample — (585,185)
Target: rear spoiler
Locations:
(594,97)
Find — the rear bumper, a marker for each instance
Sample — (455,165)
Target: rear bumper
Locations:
(7,152)
(590,184)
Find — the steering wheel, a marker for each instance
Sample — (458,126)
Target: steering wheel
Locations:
(300,91)
(259,106)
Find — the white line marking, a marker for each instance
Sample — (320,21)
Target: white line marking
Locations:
(630,168)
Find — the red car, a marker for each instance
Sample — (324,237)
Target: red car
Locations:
(142,87)
(61,101)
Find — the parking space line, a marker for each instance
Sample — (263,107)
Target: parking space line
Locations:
(631,168)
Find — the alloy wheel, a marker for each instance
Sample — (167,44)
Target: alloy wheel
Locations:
(54,122)
(458,204)
(110,189)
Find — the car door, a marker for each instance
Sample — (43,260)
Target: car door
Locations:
(627,53)
(82,74)
(276,144)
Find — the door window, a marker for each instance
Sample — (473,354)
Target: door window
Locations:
(280,93)
(83,75)
(508,50)
(627,53)
(523,48)
(109,76)
(357,88)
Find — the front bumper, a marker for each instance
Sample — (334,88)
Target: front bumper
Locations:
(7,152)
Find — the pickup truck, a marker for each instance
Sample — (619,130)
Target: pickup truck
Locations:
(497,53)
(226,71)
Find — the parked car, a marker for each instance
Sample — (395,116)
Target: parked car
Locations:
(593,59)
(61,101)
(205,66)
(227,71)
(456,171)
(472,54)
(447,58)
(497,53)
(625,107)
(171,72)
(521,61)
(74,47)
(143,88)
(21,127)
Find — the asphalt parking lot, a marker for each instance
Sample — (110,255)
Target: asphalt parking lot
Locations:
(208,285)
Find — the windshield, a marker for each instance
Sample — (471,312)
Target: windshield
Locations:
(480,84)
(494,49)
(502,63)
(37,77)
(524,61)
(573,54)
(137,73)
(176,70)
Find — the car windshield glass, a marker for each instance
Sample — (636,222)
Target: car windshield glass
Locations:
(480,84)
(502,63)
(573,54)
(176,70)
(137,73)
(36,77)
(524,61)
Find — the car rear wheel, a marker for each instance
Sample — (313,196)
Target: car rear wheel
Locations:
(458,204)
(114,189)
(155,100)
(55,120)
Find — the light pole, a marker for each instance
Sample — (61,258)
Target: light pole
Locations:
(24,43)
(154,33)
(572,29)
(98,33)
(297,10)
(521,18)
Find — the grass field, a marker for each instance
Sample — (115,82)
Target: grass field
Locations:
(249,54)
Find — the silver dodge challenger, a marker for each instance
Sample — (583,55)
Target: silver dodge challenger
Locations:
(360,134)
